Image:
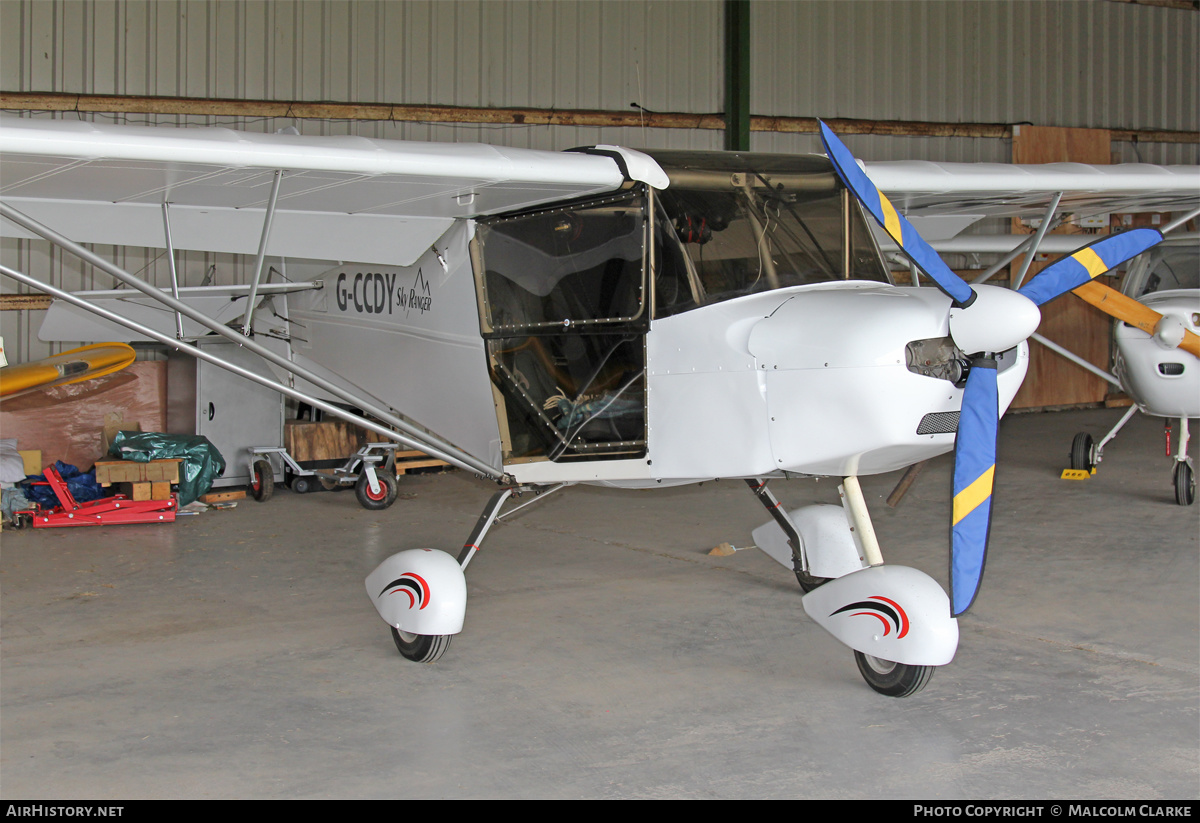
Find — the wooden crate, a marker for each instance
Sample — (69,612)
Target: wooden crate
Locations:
(131,471)
(324,441)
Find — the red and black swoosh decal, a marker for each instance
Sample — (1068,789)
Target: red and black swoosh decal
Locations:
(412,585)
(888,612)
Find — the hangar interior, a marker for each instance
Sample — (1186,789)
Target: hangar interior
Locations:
(619,643)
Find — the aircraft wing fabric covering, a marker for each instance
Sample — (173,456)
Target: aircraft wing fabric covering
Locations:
(894,223)
(340,198)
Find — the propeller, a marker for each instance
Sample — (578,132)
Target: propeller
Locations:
(984,320)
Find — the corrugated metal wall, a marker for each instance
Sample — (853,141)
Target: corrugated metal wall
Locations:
(1090,63)
(1083,64)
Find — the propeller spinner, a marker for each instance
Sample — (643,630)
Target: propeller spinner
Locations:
(984,320)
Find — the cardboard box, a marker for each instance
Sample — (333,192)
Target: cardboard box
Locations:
(113,424)
(33,461)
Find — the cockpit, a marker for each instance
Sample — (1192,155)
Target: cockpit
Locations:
(567,294)
(1168,266)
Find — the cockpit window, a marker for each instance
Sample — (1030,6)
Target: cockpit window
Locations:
(1163,268)
(564,267)
(751,223)
(564,314)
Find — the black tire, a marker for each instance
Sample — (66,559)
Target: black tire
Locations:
(808,582)
(387,491)
(421,648)
(262,481)
(1081,452)
(892,679)
(302,484)
(1185,484)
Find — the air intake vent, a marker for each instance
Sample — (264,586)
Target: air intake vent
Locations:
(1170,369)
(939,423)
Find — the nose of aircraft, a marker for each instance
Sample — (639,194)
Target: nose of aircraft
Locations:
(995,321)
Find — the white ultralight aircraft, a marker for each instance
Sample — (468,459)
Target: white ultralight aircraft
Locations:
(1156,362)
(597,316)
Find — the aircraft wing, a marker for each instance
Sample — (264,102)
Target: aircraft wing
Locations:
(1007,190)
(340,198)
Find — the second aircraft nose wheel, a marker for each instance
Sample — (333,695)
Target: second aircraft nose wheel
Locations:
(1082,452)
(1185,483)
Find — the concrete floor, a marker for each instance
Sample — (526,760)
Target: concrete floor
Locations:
(606,654)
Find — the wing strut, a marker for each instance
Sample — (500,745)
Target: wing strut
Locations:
(194,351)
(1037,238)
(426,442)
(268,220)
(171,262)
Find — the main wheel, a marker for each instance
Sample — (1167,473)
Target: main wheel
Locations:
(376,501)
(808,582)
(892,679)
(1081,452)
(262,481)
(421,648)
(1185,484)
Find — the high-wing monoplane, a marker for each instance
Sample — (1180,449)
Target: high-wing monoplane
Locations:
(601,316)
(1157,359)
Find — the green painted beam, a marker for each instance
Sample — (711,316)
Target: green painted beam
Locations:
(737,75)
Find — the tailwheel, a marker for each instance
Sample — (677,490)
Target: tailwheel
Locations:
(421,648)
(262,481)
(1082,452)
(1185,483)
(892,679)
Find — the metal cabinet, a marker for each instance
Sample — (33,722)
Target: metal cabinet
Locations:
(232,412)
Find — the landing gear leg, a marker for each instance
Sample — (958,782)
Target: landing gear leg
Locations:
(404,584)
(1085,455)
(795,541)
(490,512)
(1184,477)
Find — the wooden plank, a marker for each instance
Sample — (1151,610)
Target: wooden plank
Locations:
(223,496)
(299,109)
(22,302)
(408,465)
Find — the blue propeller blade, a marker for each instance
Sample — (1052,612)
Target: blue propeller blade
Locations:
(894,223)
(974,473)
(1088,262)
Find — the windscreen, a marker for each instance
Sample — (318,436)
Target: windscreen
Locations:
(751,223)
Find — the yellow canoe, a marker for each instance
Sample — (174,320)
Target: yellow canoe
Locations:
(71,366)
